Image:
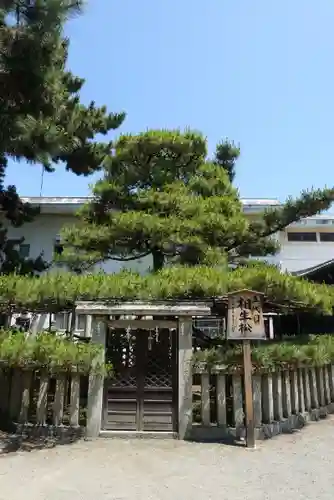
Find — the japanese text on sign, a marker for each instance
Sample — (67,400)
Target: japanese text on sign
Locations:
(245,317)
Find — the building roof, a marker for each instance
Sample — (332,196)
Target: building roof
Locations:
(70,204)
(321,273)
(66,205)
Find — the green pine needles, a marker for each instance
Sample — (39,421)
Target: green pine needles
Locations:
(313,350)
(49,352)
(162,196)
(53,292)
(42,118)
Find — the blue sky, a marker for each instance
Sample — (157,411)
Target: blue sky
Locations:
(260,73)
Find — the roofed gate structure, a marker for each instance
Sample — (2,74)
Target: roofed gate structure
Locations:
(150,348)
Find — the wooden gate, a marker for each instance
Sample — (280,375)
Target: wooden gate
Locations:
(142,394)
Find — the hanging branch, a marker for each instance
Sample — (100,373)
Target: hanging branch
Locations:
(58,292)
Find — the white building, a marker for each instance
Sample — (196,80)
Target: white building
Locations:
(304,244)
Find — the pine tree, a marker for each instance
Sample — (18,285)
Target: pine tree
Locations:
(160,196)
(41,117)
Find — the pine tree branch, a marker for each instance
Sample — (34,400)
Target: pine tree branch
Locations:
(128,259)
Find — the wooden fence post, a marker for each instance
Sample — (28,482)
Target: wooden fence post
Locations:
(42,399)
(331,380)
(58,406)
(4,390)
(26,384)
(205,399)
(286,394)
(320,385)
(267,398)
(257,400)
(221,400)
(75,399)
(327,389)
(313,388)
(15,394)
(307,389)
(300,384)
(294,391)
(238,404)
(277,396)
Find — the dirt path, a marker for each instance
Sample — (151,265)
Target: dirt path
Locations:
(292,467)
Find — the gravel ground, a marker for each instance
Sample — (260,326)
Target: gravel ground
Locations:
(290,467)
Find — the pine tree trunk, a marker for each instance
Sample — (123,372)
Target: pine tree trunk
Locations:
(158,260)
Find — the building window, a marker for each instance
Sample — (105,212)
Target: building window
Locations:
(327,237)
(61,321)
(81,322)
(302,236)
(57,246)
(24,250)
(211,327)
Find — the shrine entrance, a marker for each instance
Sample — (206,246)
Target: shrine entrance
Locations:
(142,394)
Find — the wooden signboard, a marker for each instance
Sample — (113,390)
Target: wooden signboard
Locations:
(245,316)
(245,322)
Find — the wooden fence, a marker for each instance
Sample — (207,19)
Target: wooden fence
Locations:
(40,400)
(283,401)
(53,405)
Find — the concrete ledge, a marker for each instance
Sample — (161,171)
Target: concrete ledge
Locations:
(266,431)
(33,437)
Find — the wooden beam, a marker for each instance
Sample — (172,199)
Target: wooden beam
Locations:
(137,308)
(146,324)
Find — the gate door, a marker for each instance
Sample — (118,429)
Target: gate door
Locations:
(141,395)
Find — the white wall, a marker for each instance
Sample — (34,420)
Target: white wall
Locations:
(295,256)
(42,232)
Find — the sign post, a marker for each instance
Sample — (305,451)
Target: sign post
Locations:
(245,322)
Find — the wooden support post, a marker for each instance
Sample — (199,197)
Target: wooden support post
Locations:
(185,412)
(250,428)
(271,327)
(96,381)
(88,326)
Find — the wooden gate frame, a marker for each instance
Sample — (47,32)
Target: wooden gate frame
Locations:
(99,315)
